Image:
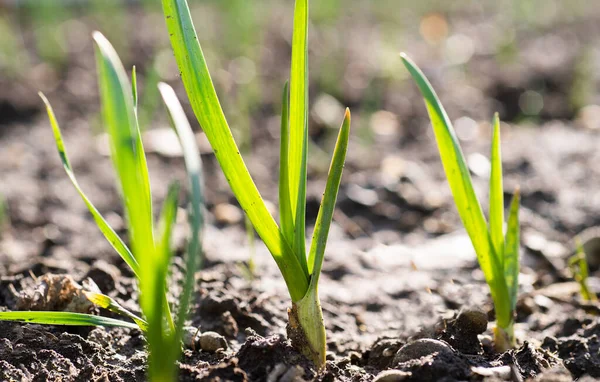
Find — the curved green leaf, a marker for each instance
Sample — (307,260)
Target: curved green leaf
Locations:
(298,145)
(511,250)
(286,218)
(466,201)
(127,152)
(496,191)
(108,232)
(206,106)
(64,318)
(325,215)
(108,303)
(193,165)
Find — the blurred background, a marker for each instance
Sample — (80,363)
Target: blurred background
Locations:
(535,62)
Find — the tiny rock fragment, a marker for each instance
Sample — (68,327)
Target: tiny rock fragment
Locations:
(473,321)
(392,376)
(420,348)
(191,337)
(55,293)
(500,372)
(226,213)
(211,342)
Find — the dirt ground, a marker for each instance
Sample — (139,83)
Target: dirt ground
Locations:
(398,269)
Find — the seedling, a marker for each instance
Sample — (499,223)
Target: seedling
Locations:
(150,252)
(579,268)
(286,243)
(497,253)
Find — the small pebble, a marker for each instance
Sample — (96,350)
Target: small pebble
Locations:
(392,376)
(211,342)
(500,372)
(472,321)
(420,348)
(191,337)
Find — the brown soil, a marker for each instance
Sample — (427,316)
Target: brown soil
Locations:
(398,267)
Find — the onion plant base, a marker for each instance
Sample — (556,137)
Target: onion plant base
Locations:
(306,330)
(504,338)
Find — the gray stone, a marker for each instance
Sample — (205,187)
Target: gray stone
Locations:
(211,342)
(420,348)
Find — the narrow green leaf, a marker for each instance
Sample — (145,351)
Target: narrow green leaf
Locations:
(108,232)
(285,208)
(466,201)
(126,148)
(206,106)
(129,162)
(496,191)
(163,259)
(108,303)
(299,128)
(193,165)
(64,318)
(164,351)
(579,267)
(165,228)
(511,250)
(134,89)
(325,215)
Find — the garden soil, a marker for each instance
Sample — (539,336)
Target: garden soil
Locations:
(403,298)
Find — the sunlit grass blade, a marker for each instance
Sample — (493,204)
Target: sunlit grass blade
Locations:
(206,106)
(126,148)
(298,144)
(129,162)
(459,179)
(163,257)
(579,267)
(306,317)
(108,232)
(325,215)
(64,318)
(496,191)
(286,217)
(165,228)
(108,303)
(468,205)
(164,351)
(511,250)
(195,213)
(134,89)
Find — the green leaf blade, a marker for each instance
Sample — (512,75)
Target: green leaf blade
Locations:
(325,215)
(193,165)
(511,250)
(299,128)
(129,162)
(496,191)
(457,172)
(108,303)
(125,141)
(465,199)
(206,106)
(110,235)
(286,216)
(64,318)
